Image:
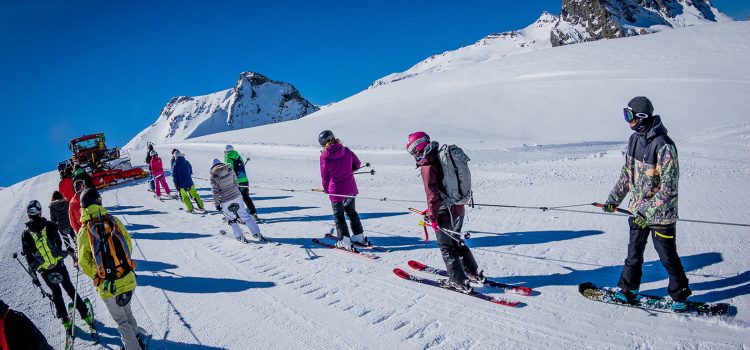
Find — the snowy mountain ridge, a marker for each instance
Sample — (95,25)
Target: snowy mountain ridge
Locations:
(254,100)
(580,21)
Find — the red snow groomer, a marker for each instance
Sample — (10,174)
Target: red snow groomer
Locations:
(105,165)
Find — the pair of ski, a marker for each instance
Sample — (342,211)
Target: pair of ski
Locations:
(354,249)
(93,334)
(196,211)
(359,245)
(520,290)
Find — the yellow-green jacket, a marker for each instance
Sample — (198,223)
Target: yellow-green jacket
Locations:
(86,257)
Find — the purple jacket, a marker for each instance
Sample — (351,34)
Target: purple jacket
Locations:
(337,165)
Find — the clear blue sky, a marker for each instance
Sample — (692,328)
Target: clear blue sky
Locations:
(69,68)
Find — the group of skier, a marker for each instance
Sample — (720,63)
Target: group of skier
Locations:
(650,175)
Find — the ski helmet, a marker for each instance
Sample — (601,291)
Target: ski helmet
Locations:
(89,197)
(153,153)
(641,110)
(34,208)
(228,148)
(325,137)
(79,185)
(416,142)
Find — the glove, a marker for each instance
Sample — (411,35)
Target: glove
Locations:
(36,282)
(609,208)
(640,220)
(218,207)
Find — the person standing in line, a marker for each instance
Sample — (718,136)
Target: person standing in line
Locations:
(234,160)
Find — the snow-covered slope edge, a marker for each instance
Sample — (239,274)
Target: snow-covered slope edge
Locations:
(254,100)
(697,77)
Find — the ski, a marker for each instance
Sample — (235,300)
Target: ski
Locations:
(649,302)
(353,251)
(405,275)
(196,212)
(371,246)
(92,327)
(520,290)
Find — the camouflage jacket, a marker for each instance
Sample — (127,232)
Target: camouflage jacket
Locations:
(651,174)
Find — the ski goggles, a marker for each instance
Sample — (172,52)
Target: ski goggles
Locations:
(412,149)
(629,115)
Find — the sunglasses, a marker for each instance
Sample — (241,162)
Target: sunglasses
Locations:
(629,115)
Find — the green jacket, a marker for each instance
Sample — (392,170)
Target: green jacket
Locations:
(86,257)
(233,159)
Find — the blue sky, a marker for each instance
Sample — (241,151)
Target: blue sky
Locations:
(74,67)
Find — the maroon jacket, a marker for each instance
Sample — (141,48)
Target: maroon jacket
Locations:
(432,176)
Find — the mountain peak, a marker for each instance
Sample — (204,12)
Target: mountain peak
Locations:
(253,78)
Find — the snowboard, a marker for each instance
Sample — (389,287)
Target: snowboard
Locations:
(649,302)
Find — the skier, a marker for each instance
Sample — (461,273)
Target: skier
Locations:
(74,207)
(650,174)
(18,332)
(44,253)
(58,213)
(174,158)
(111,269)
(66,184)
(226,192)
(337,166)
(80,174)
(157,171)
(150,149)
(182,177)
(234,160)
(459,261)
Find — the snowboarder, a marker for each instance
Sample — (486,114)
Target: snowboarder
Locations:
(459,261)
(74,207)
(650,174)
(111,269)
(42,247)
(66,184)
(182,177)
(226,192)
(337,166)
(80,174)
(234,160)
(58,213)
(150,149)
(18,332)
(157,171)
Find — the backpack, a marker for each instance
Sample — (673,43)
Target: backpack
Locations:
(456,176)
(110,251)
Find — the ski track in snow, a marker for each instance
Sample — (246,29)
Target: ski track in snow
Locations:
(199,289)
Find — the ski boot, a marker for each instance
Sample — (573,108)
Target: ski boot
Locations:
(241,239)
(680,303)
(478,278)
(459,287)
(345,243)
(361,240)
(256,218)
(625,296)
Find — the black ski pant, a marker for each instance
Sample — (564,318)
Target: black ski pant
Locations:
(666,246)
(245,191)
(346,207)
(57,297)
(458,259)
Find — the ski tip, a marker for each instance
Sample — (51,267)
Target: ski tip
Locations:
(417,265)
(507,302)
(401,273)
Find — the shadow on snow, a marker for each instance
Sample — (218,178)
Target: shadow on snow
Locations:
(167,236)
(199,284)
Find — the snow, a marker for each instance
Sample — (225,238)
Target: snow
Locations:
(543,128)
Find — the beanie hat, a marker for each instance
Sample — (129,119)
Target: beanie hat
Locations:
(228,148)
(215,162)
(641,104)
(90,196)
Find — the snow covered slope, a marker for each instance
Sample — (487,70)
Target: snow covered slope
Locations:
(566,94)
(493,46)
(254,100)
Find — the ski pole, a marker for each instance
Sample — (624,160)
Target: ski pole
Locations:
(600,205)
(33,278)
(371,172)
(424,226)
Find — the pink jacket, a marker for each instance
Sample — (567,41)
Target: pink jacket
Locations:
(156,168)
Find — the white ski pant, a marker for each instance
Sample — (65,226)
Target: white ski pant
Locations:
(244,216)
(126,324)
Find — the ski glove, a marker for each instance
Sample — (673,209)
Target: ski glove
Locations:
(435,226)
(640,220)
(609,208)
(218,207)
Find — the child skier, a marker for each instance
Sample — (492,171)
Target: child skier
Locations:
(226,192)
(42,247)
(111,269)
(337,166)
(157,170)
(182,177)
(650,174)
(459,261)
